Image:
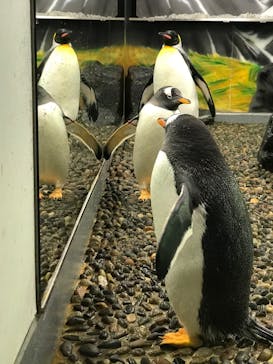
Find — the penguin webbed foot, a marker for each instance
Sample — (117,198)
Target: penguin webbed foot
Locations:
(56,194)
(180,338)
(144,195)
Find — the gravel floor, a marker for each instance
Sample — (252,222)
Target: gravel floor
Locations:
(119,310)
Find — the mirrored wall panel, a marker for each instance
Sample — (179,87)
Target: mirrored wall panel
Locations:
(81,60)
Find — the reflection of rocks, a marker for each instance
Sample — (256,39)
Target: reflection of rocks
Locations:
(265,154)
(107,81)
(262,99)
(137,78)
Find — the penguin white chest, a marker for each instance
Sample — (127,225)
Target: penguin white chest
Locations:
(184,280)
(148,140)
(171,70)
(163,191)
(61,79)
(53,145)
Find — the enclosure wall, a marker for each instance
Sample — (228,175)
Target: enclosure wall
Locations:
(17,262)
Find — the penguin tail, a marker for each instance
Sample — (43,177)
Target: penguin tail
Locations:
(256,331)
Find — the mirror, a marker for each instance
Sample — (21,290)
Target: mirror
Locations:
(230,48)
(98,43)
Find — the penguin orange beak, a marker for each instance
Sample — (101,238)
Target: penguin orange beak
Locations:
(183,100)
(161,122)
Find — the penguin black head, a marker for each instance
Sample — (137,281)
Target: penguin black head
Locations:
(62,36)
(169,98)
(170,37)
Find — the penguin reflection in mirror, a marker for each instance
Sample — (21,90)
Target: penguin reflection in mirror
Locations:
(149,135)
(173,67)
(205,251)
(53,144)
(59,73)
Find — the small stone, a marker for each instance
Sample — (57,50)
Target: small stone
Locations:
(265,355)
(164,306)
(145,360)
(131,318)
(138,352)
(66,348)
(140,343)
(89,350)
(116,359)
(241,357)
(214,360)
(111,344)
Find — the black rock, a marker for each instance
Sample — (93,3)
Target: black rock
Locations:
(66,348)
(265,153)
(89,350)
(111,344)
(262,99)
(136,80)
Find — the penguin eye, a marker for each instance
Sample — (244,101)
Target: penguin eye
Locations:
(169,96)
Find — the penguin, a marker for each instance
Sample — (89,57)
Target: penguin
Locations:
(149,135)
(54,151)
(53,144)
(59,73)
(205,249)
(173,67)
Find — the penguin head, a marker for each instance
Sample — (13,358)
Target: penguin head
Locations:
(169,98)
(170,37)
(62,36)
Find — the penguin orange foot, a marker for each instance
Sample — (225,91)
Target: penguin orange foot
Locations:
(180,338)
(144,195)
(57,194)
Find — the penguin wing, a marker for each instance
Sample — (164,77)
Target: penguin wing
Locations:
(89,102)
(42,64)
(88,139)
(147,93)
(201,83)
(121,134)
(177,224)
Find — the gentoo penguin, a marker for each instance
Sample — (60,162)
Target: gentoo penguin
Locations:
(59,74)
(53,144)
(149,135)
(173,67)
(205,247)
(54,153)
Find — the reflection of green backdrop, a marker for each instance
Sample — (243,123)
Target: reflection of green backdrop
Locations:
(231,81)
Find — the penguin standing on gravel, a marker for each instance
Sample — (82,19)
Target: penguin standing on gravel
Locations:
(205,250)
(173,67)
(53,144)
(59,73)
(149,135)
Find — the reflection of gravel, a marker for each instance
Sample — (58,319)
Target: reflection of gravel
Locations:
(119,309)
(58,217)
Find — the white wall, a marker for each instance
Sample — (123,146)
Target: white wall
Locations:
(17,273)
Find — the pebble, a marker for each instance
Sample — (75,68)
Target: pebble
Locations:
(89,350)
(66,348)
(265,355)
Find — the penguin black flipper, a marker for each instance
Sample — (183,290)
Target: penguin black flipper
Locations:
(177,224)
(81,133)
(147,93)
(42,64)
(124,132)
(88,100)
(201,83)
